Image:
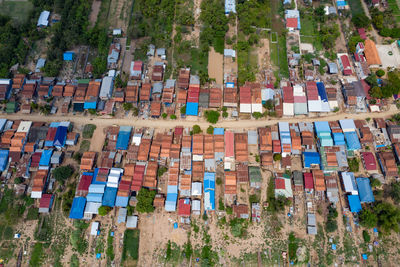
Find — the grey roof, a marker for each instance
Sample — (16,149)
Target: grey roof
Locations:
(157,88)
(311,220)
(311,230)
(359,89)
(114,55)
(252,137)
(306,126)
(194,79)
(40,64)
(209,165)
(333,69)
(204,99)
(160,51)
(229,53)
(170,83)
(332,10)
(106,88)
(122,215)
(151,50)
(298,178)
(37,133)
(316,62)
(43,18)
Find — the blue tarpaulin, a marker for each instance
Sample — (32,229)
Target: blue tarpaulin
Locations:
(78,207)
(61,136)
(354,203)
(3,159)
(90,105)
(365,190)
(311,158)
(192,109)
(45,157)
(68,56)
(218,131)
(109,196)
(124,135)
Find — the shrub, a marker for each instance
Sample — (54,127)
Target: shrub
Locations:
(257,115)
(172,117)
(18,180)
(380,73)
(225,114)
(218,181)
(88,130)
(210,130)
(212,116)
(164,115)
(145,199)
(277,157)
(196,129)
(366,236)
(127,106)
(183,110)
(104,210)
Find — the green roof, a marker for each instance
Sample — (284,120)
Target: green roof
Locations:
(11,107)
(84,81)
(255,174)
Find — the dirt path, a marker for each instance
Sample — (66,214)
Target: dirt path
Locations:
(132,121)
(216,66)
(94,13)
(376,36)
(97,141)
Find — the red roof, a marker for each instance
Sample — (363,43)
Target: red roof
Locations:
(51,134)
(308,181)
(245,95)
(279,183)
(291,23)
(361,32)
(229,144)
(369,161)
(184,207)
(346,65)
(366,88)
(84,183)
(45,201)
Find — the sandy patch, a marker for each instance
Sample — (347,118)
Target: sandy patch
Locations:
(215,66)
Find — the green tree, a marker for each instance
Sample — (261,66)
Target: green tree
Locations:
(196,129)
(62,173)
(361,21)
(376,92)
(366,236)
(269,104)
(145,200)
(210,130)
(368,218)
(212,116)
(257,115)
(127,106)
(18,180)
(277,157)
(104,210)
(380,73)
(374,182)
(172,117)
(395,191)
(164,115)
(183,110)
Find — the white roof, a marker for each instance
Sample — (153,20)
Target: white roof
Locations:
(106,87)
(256,107)
(229,53)
(122,215)
(196,188)
(349,183)
(36,194)
(44,18)
(347,125)
(131,221)
(94,228)
(5,81)
(92,207)
(24,127)
(196,205)
(117,32)
(245,108)
(288,109)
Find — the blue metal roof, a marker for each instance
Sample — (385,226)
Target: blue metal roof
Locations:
(78,207)
(121,201)
(94,181)
(2,124)
(124,135)
(3,159)
(94,197)
(352,141)
(365,190)
(61,136)
(109,196)
(311,158)
(209,200)
(97,188)
(170,202)
(322,126)
(219,131)
(209,181)
(339,139)
(192,109)
(354,203)
(322,91)
(90,105)
(45,157)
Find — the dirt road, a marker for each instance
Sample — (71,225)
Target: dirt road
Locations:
(242,124)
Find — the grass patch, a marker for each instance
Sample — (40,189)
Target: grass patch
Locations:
(88,131)
(278,56)
(85,145)
(356,7)
(18,10)
(102,17)
(37,255)
(33,214)
(131,245)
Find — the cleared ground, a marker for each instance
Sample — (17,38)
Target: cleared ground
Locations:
(215,66)
(17,9)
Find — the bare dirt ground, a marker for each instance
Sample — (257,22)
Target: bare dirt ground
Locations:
(94,13)
(119,14)
(168,124)
(155,231)
(97,142)
(263,53)
(215,66)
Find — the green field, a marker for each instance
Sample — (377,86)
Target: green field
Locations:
(312,40)
(18,10)
(356,7)
(278,56)
(307,26)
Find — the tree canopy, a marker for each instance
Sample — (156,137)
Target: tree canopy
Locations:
(62,173)
(212,116)
(145,200)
